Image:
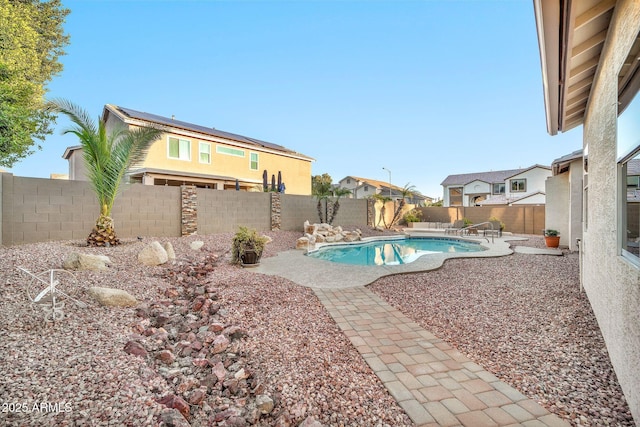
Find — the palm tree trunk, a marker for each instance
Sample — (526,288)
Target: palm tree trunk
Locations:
(103,234)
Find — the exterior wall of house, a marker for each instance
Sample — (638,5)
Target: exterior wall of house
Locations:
(558,205)
(296,172)
(475,188)
(535,177)
(575,203)
(612,283)
(77,169)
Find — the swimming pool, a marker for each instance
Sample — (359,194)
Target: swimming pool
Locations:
(393,252)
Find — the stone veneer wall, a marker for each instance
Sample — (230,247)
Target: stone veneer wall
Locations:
(189,210)
(276,211)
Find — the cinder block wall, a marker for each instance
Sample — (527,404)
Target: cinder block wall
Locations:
(147,210)
(37,210)
(223,211)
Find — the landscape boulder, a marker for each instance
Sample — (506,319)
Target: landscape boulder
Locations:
(196,245)
(153,254)
(78,261)
(112,297)
(171,253)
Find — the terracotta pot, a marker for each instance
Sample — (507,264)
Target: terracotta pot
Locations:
(552,241)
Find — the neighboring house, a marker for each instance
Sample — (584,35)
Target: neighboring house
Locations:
(506,187)
(362,188)
(590,54)
(203,156)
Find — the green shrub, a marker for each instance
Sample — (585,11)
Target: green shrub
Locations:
(414,215)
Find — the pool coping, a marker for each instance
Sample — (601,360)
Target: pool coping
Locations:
(317,273)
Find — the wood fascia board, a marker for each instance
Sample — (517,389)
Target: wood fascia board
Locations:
(593,13)
(590,43)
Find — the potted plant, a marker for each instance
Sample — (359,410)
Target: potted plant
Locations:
(552,238)
(247,247)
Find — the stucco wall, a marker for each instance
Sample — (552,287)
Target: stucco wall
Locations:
(575,202)
(535,181)
(557,206)
(611,282)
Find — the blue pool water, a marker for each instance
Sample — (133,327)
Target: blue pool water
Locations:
(393,252)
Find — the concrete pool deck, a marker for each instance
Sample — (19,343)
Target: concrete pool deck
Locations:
(316,273)
(433,382)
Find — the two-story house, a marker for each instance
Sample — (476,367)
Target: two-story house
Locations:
(362,188)
(506,187)
(203,156)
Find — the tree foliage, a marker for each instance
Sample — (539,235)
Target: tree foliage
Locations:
(323,189)
(31,41)
(107,156)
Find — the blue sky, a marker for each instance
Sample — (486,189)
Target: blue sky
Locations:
(423,88)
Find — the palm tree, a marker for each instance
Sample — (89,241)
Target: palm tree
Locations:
(382,199)
(107,156)
(322,191)
(407,191)
(337,193)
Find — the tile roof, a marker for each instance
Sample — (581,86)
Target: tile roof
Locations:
(165,121)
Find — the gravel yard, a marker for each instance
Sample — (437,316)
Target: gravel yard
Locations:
(75,372)
(534,331)
(523,318)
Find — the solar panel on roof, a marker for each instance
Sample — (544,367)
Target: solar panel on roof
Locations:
(202,129)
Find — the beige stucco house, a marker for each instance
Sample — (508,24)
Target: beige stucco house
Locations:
(523,186)
(206,157)
(590,54)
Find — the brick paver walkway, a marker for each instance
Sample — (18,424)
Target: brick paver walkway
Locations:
(434,383)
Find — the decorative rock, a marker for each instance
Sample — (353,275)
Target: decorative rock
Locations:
(198,396)
(196,245)
(302,243)
(219,344)
(219,371)
(112,297)
(78,261)
(310,422)
(264,403)
(166,357)
(153,254)
(175,402)
(173,418)
(135,348)
(171,254)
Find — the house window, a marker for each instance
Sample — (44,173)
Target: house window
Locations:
(518,185)
(455,196)
(348,180)
(205,153)
(628,146)
(221,149)
(366,188)
(630,171)
(253,161)
(498,188)
(179,149)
